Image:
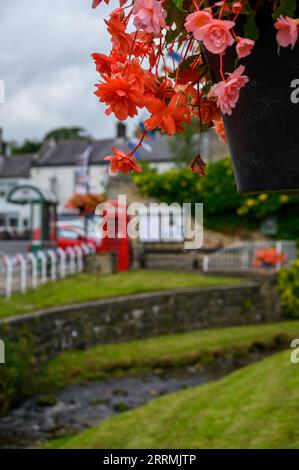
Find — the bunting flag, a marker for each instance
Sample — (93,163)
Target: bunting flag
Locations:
(142,130)
(174,55)
(131,144)
(82,176)
(83,158)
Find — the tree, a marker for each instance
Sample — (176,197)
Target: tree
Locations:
(29,146)
(66,133)
(183,145)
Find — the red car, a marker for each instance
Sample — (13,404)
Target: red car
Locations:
(69,236)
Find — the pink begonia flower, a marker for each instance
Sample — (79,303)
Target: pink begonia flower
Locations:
(227,92)
(197,20)
(216,35)
(237,7)
(287,31)
(244,47)
(149,16)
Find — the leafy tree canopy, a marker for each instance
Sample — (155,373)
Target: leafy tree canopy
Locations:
(28,146)
(66,133)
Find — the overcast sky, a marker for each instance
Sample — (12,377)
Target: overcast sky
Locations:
(46,66)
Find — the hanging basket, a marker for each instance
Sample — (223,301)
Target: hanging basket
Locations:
(263,130)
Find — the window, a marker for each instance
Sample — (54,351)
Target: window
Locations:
(13,221)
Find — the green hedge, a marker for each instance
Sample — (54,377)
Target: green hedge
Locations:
(224,207)
(15,373)
(288,284)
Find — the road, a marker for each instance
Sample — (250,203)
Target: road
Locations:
(10,248)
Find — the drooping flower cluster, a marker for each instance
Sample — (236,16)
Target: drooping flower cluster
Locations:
(157,63)
(85,203)
(268,258)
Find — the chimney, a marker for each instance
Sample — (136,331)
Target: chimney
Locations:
(121,130)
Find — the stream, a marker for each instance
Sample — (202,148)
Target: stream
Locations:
(78,407)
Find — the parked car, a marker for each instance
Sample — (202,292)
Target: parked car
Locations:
(71,233)
(68,236)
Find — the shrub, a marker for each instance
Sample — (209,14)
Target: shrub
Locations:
(217,190)
(224,207)
(14,373)
(288,284)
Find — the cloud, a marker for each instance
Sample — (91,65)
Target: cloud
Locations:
(46,66)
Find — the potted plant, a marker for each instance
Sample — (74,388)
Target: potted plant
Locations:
(85,203)
(236,60)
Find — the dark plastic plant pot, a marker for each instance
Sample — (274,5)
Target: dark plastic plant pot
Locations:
(263,130)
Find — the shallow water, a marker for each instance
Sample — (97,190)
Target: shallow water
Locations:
(78,407)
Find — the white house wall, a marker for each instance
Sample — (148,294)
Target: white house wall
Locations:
(7,209)
(62,179)
(162,166)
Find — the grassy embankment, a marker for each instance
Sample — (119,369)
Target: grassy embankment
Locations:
(254,407)
(200,348)
(84,287)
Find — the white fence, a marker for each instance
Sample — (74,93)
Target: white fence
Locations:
(25,271)
(244,256)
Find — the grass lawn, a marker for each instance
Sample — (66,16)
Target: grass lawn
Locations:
(84,287)
(254,407)
(197,347)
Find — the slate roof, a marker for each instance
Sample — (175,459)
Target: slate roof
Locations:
(66,153)
(16,166)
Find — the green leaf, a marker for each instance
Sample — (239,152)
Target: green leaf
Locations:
(171,35)
(179,4)
(286,8)
(251,30)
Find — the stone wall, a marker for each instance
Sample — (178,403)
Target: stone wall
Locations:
(142,315)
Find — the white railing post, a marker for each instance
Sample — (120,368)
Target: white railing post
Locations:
(23,267)
(279,251)
(245,257)
(205,264)
(41,255)
(72,255)
(85,248)
(8,280)
(92,247)
(53,258)
(62,255)
(79,253)
(33,261)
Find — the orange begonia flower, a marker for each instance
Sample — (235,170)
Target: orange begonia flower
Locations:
(103,63)
(119,161)
(168,117)
(122,98)
(122,41)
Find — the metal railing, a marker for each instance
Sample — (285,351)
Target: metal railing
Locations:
(28,271)
(243,256)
